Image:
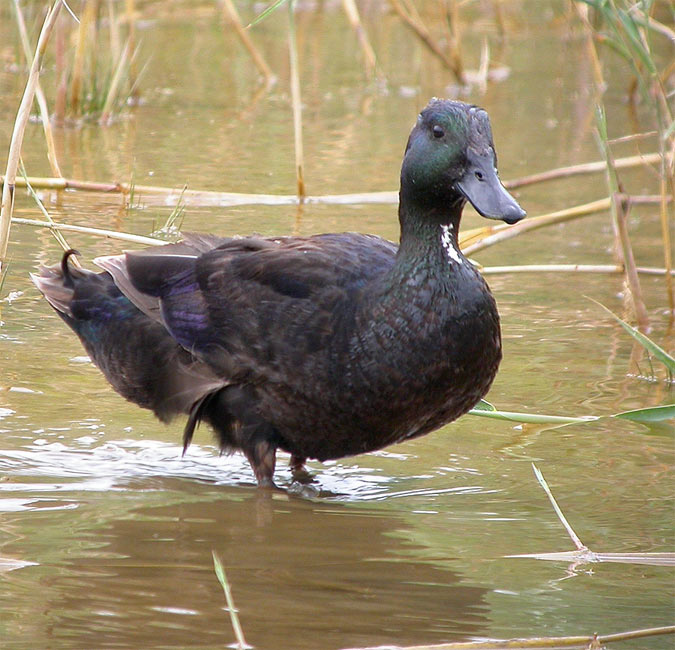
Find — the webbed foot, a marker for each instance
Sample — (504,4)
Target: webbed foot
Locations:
(299,472)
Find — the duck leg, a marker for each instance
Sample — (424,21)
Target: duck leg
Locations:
(299,471)
(262,456)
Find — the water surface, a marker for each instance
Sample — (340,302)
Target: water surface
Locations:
(106,532)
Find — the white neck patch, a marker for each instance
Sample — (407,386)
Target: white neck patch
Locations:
(449,245)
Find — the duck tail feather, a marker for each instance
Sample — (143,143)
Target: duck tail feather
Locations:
(197,413)
(57,283)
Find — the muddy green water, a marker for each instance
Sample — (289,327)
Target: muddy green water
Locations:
(106,532)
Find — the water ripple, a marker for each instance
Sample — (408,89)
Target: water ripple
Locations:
(90,464)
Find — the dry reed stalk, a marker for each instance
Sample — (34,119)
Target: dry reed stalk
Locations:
(477,239)
(61,74)
(583,168)
(20,122)
(101,232)
(666,220)
(455,41)
(643,19)
(632,137)
(114,32)
(88,18)
(563,520)
(296,101)
(637,56)
(570,268)
(484,68)
(169,196)
(352,12)
(619,210)
(232,17)
(495,234)
(39,95)
(413,21)
(131,38)
(667,173)
(499,17)
(583,13)
(592,642)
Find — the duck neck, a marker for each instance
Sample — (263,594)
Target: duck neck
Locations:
(429,234)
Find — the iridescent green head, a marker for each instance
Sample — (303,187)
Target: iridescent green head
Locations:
(450,158)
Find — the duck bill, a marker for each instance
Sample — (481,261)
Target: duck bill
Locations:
(481,186)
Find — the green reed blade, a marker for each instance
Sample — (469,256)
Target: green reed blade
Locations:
(649,345)
(234,617)
(273,7)
(650,414)
(530,418)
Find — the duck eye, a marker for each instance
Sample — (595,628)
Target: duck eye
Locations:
(479,176)
(438,131)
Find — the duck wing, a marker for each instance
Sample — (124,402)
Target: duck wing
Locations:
(193,244)
(253,307)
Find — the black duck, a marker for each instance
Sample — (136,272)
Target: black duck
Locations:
(323,346)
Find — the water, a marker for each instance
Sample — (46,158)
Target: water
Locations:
(106,532)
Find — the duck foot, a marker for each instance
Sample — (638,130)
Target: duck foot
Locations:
(299,472)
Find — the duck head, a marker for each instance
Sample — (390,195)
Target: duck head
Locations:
(450,159)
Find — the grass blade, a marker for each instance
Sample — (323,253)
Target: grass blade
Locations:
(57,233)
(113,89)
(529,418)
(484,405)
(635,41)
(645,341)
(296,102)
(570,531)
(651,414)
(222,578)
(232,16)
(273,7)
